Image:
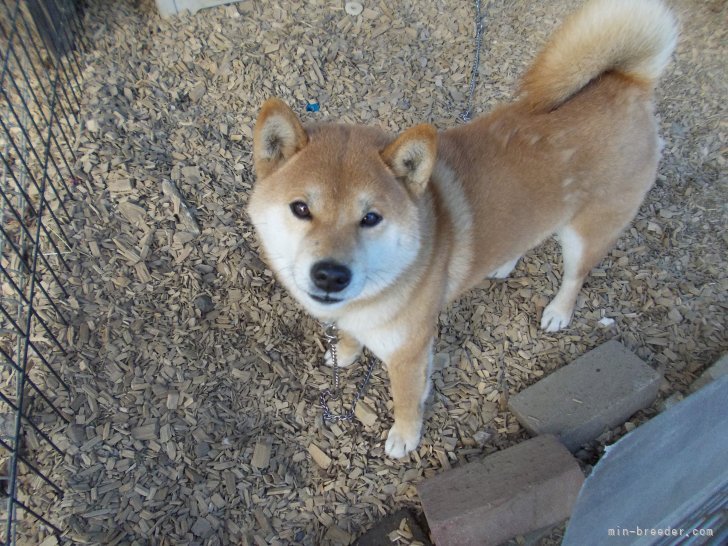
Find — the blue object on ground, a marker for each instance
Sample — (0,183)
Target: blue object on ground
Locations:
(312,107)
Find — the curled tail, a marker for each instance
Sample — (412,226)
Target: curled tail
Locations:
(633,37)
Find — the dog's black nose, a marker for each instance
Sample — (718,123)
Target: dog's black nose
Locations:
(330,276)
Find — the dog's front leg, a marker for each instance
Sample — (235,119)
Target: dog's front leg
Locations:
(409,376)
(348,350)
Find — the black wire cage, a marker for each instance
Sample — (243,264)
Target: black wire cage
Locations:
(41,45)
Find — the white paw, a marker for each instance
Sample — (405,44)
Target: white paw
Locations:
(400,442)
(554,318)
(342,361)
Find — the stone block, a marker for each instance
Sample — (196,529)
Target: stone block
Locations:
(597,391)
(512,492)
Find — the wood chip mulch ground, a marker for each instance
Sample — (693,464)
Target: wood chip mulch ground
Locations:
(195,377)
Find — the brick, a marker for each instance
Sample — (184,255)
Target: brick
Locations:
(512,492)
(597,391)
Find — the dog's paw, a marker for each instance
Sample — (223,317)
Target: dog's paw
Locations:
(401,441)
(503,271)
(342,360)
(555,318)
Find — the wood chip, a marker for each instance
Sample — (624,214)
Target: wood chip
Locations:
(181,208)
(197,92)
(261,454)
(365,414)
(173,400)
(133,212)
(319,457)
(262,520)
(335,535)
(120,186)
(145,432)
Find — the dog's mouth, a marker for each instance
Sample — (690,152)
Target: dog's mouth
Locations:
(325,299)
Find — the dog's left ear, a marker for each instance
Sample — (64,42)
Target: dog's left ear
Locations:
(412,156)
(278,135)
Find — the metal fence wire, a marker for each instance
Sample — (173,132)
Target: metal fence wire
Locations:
(40,50)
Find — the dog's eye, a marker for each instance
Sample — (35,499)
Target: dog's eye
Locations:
(300,210)
(370,219)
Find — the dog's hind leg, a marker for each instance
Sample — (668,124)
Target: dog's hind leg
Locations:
(557,314)
(584,242)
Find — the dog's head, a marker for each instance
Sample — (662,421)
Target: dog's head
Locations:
(336,206)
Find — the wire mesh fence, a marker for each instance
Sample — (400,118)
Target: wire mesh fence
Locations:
(40,50)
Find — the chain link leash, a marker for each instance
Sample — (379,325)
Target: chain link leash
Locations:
(331,337)
(467,114)
(330,331)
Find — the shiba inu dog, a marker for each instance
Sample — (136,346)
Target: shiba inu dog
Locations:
(378,233)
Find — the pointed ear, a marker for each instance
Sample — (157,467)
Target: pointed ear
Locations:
(412,156)
(278,135)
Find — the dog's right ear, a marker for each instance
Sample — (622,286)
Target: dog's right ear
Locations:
(412,156)
(278,135)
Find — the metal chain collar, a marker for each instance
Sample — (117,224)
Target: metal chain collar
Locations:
(331,337)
